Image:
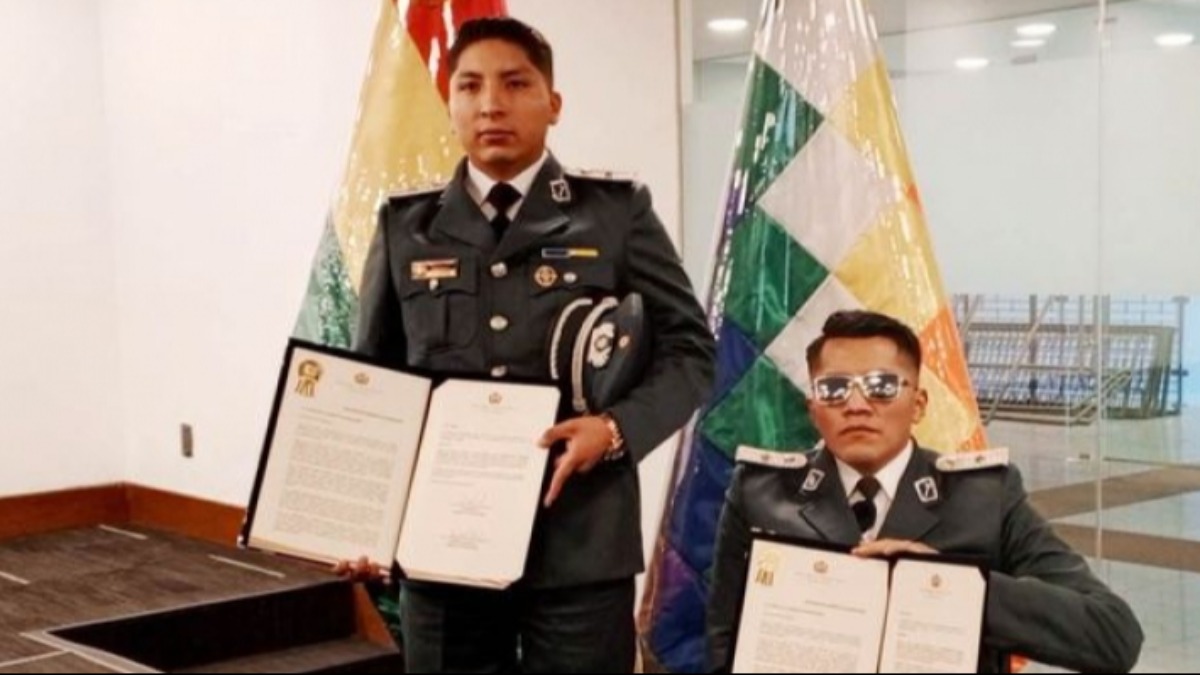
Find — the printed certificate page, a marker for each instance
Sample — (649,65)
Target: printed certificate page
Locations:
(477,484)
(811,611)
(339,463)
(935,619)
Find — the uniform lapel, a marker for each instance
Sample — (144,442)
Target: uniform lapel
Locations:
(825,507)
(459,216)
(539,216)
(912,514)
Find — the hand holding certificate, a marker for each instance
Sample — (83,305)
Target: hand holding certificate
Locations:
(810,610)
(361,459)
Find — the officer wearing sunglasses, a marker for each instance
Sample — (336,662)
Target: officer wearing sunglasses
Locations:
(870,487)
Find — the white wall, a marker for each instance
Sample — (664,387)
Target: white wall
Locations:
(59,384)
(710,123)
(616,67)
(1151,198)
(1008,165)
(228,123)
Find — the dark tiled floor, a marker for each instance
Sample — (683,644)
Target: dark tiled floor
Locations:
(79,576)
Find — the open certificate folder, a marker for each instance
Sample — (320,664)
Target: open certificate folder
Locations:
(810,610)
(443,477)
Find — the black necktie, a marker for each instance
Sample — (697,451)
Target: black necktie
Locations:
(864,511)
(502,197)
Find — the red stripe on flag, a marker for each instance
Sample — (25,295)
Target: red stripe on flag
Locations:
(463,11)
(426,22)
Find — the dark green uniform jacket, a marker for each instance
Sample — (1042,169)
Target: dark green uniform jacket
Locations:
(1044,602)
(492,313)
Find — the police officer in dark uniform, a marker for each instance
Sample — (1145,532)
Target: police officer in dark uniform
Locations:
(470,279)
(870,488)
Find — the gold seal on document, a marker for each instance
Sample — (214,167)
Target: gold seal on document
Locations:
(496,399)
(309,373)
(362,379)
(768,566)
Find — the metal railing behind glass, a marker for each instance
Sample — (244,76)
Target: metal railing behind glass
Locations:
(1036,358)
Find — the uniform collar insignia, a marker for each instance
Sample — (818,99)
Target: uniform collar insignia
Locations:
(814,480)
(927,490)
(560,191)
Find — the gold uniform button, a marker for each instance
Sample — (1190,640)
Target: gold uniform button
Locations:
(499,324)
(499,271)
(546,276)
(499,372)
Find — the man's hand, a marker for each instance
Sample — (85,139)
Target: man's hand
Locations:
(890,548)
(362,570)
(587,439)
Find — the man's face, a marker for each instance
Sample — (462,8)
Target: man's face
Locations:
(502,108)
(864,433)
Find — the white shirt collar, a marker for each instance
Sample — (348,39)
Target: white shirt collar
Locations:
(889,477)
(479,184)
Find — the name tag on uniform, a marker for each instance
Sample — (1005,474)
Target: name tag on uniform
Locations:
(569,253)
(433,270)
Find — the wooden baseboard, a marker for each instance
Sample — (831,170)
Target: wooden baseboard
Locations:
(120,504)
(45,512)
(190,516)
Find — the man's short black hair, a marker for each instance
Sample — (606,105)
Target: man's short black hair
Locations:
(864,325)
(510,30)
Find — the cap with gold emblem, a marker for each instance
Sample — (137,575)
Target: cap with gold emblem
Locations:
(599,350)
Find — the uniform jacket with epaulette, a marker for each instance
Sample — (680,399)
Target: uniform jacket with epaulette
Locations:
(1043,602)
(491,311)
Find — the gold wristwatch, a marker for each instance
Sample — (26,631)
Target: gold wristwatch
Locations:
(616,449)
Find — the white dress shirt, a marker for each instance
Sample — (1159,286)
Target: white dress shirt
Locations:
(479,184)
(889,480)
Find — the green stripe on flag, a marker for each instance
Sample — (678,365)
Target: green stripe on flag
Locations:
(765,410)
(330,310)
(777,124)
(771,277)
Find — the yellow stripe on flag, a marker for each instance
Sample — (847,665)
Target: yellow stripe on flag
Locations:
(867,116)
(403,138)
(891,268)
(949,424)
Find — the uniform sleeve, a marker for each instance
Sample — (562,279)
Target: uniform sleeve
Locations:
(728,585)
(380,320)
(1046,604)
(681,370)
